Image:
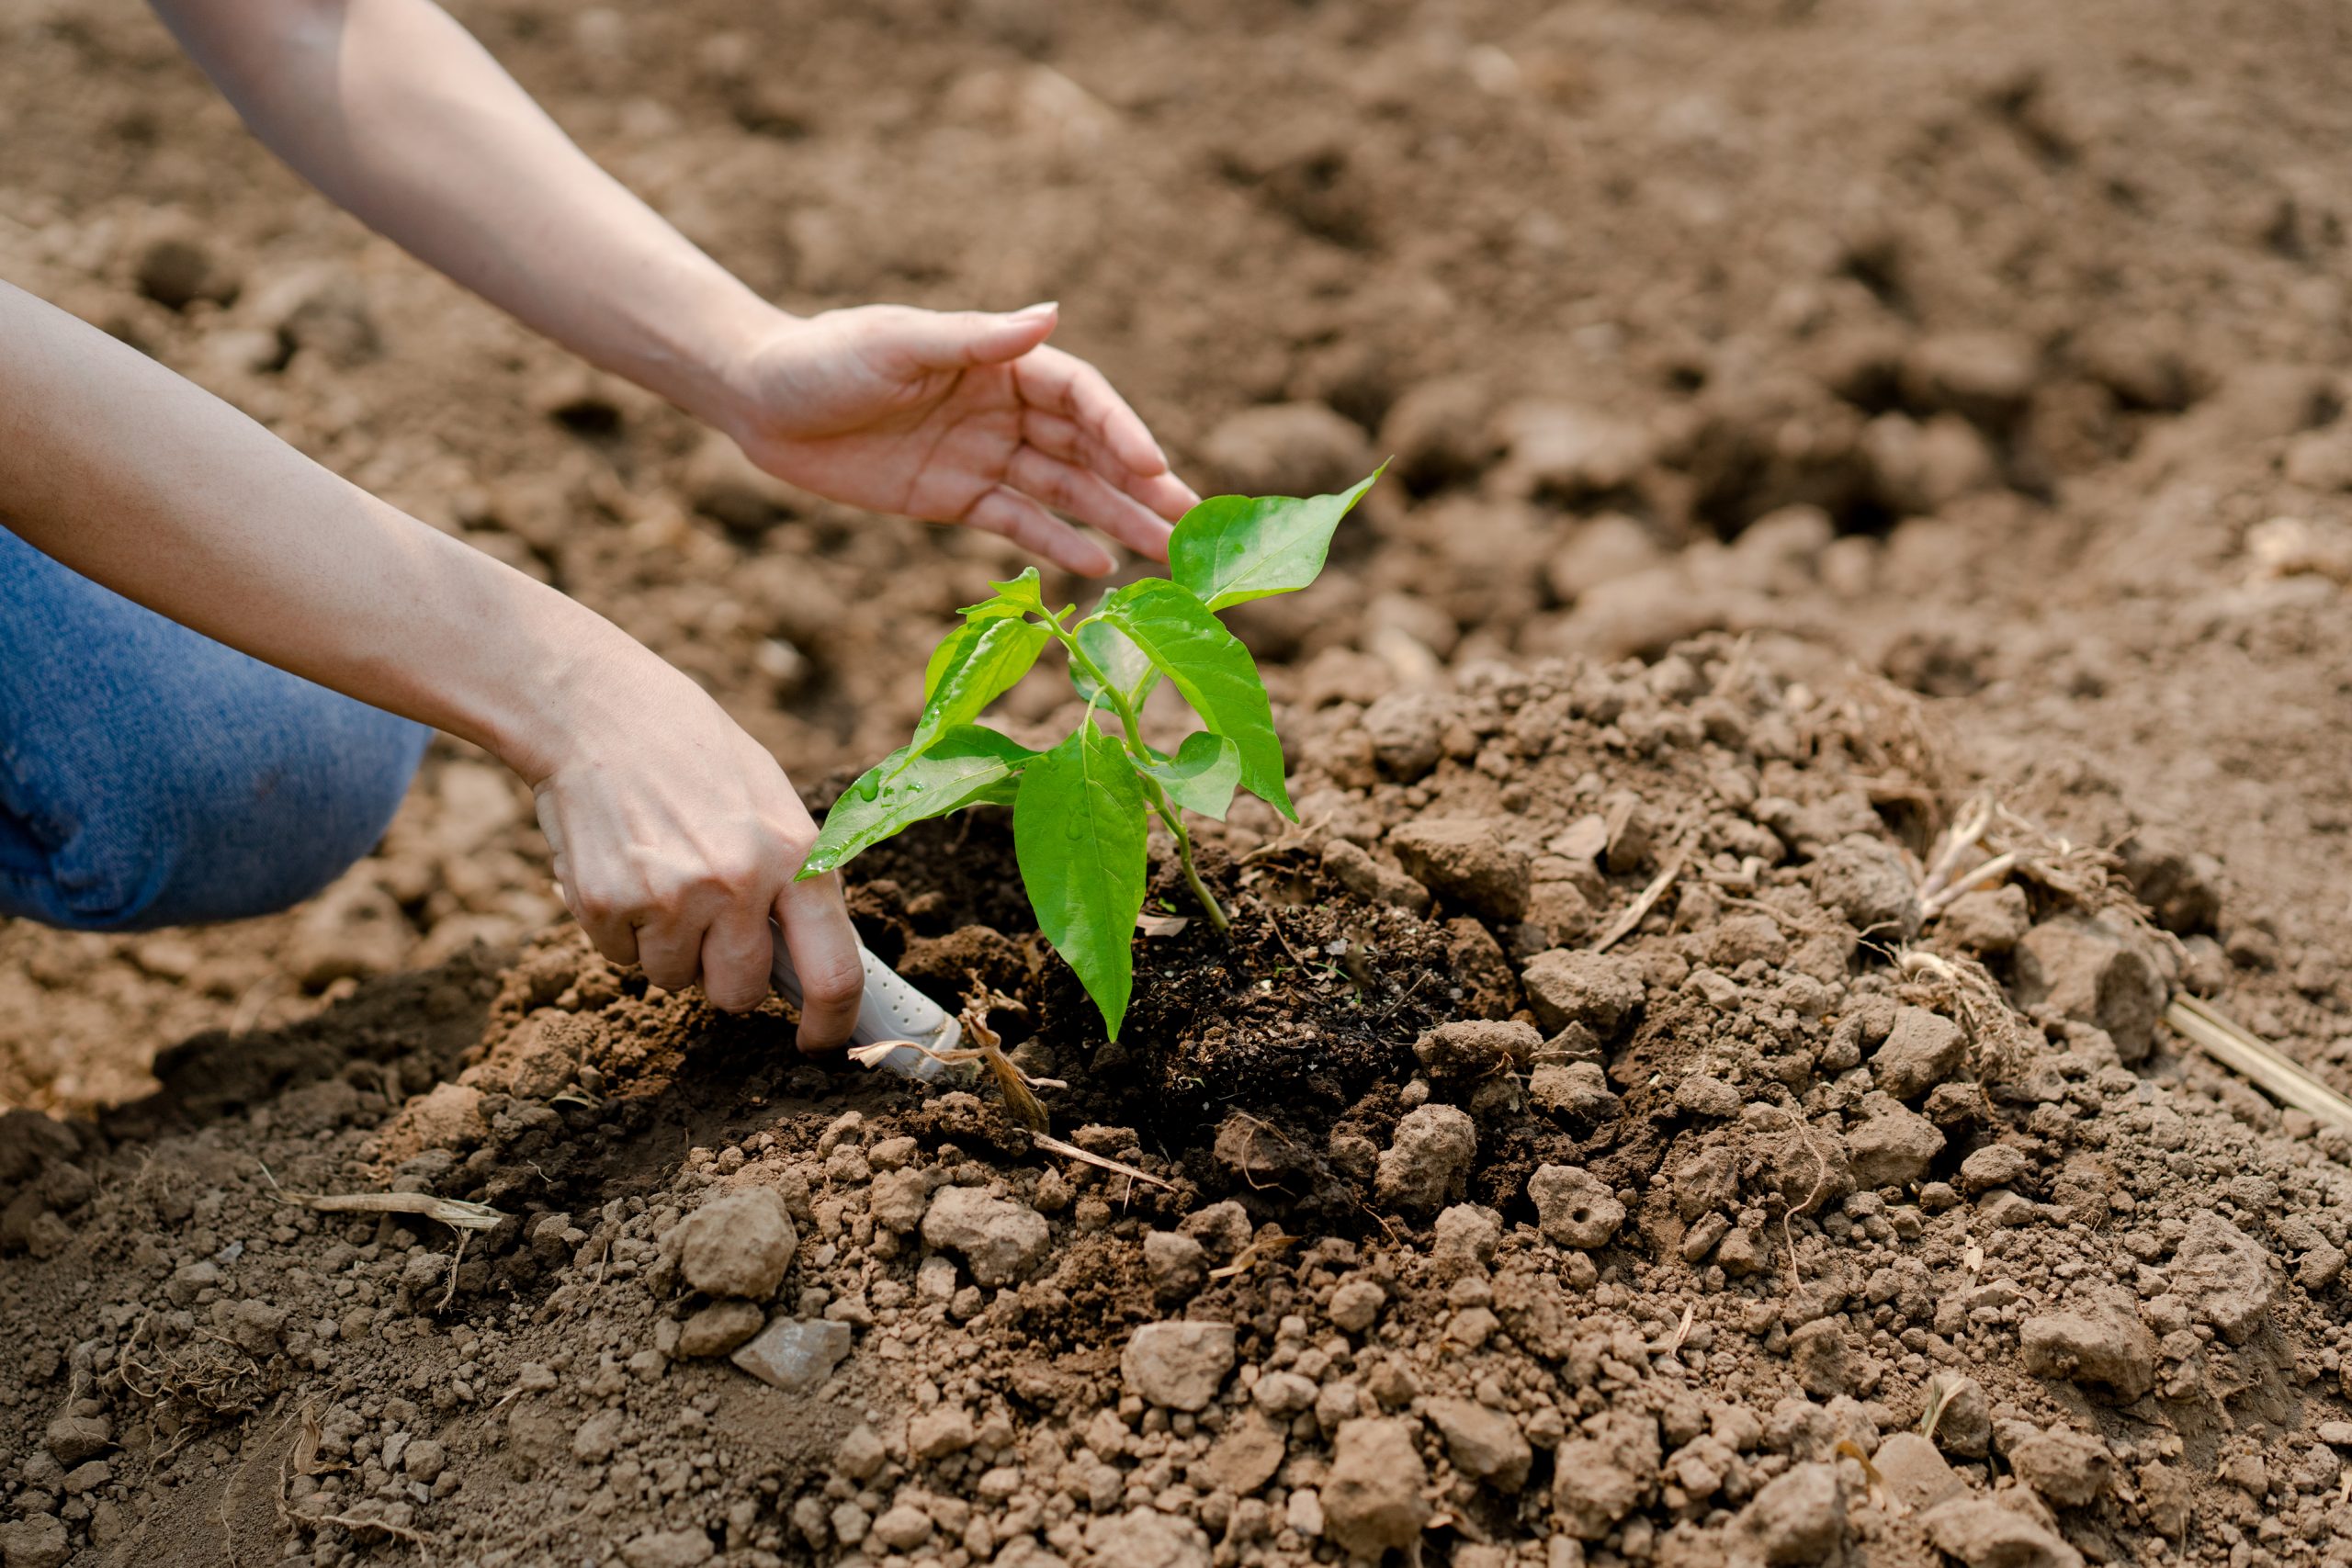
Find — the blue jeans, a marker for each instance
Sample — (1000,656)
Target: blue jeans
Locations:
(150,777)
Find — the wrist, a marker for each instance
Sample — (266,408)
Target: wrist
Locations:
(722,388)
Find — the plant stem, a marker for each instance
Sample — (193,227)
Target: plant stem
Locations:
(1209,905)
(1160,804)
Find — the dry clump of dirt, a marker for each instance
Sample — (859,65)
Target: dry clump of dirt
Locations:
(1819,1217)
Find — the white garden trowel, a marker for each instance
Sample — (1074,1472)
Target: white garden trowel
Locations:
(892,1010)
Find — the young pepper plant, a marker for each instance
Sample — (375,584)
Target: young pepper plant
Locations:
(1082,809)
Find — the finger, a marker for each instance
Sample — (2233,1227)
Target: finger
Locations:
(670,952)
(737,954)
(825,954)
(1067,386)
(1009,514)
(1083,494)
(1051,433)
(957,340)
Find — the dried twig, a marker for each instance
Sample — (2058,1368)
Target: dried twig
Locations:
(1940,1390)
(1880,1492)
(452,1212)
(2237,1048)
(1623,925)
(1072,1151)
(457,1259)
(1261,1249)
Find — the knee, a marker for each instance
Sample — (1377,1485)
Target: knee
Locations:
(247,830)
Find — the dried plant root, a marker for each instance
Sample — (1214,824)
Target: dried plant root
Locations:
(2238,1049)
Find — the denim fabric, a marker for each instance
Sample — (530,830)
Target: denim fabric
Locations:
(150,776)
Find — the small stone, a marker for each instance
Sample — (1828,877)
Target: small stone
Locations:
(1483,1443)
(1001,1241)
(1574,1091)
(71,1439)
(1574,1207)
(860,1455)
(36,1541)
(1983,1534)
(2096,974)
(738,1246)
(1597,1480)
(1407,729)
(449,1117)
(2070,1468)
(2108,1348)
(1799,1518)
(1995,1164)
(1465,860)
(1354,869)
(1990,921)
(795,1354)
(1146,1538)
(718,1329)
(1427,1164)
(2224,1275)
(1476,1047)
(1222,1229)
(1176,1265)
(1893,1148)
(1355,1305)
(1181,1364)
(1372,1498)
(1917,1475)
(1571,987)
(667,1549)
(1922,1050)
(1247,1455)
(1867,881)
(1283,1394)
(1702,1095)
(1825,1361)
(1466,1236)
(1966,1427)
(902,1527)
(942,1430)
(425,1461)
(898,1200)
(594,1440)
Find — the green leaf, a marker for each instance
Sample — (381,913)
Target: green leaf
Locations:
(1078,834)
(1202,775)
(979,662)
(1121,662)
(1233,548)
(965,767)
(1215,672)
(1022,595)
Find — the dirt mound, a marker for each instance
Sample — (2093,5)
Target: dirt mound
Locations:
(1423,1212)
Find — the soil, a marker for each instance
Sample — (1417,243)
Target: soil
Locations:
(1810,421)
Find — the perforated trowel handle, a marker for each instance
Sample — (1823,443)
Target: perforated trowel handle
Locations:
(892,1010)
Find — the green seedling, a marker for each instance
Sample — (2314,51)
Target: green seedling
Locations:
(1082,809)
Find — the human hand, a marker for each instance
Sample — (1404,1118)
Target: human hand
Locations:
(676,836)
(963,418)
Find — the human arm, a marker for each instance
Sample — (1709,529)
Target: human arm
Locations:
(676,836)
(395,112)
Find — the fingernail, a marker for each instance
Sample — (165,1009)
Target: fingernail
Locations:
(1043,307)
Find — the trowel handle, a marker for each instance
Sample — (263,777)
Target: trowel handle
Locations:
(891,1010)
